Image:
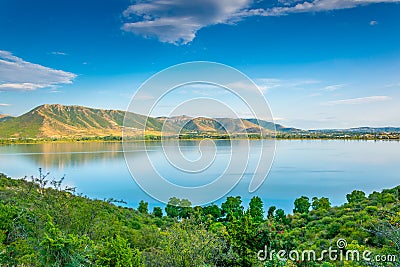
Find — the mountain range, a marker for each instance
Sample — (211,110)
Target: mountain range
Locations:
(56,121)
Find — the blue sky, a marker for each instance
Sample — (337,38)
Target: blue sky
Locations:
(320,64)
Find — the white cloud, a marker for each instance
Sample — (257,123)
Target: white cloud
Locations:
(177,21)
(373,23)
(359,100)
(58,53)
(334,87)
(266,84)
(19,75)
(4,105)
(312,6)
(20,86)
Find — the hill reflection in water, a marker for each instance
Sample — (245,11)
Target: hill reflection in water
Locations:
(62,155)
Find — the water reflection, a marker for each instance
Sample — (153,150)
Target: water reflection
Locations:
(62,155)
(313,168)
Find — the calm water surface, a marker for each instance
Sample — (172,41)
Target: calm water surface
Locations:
(301,167)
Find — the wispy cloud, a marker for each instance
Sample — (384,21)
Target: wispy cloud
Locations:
(359,100)
(4,105)
(58,53)
(17,74)
(178,21)
(145,97)
(290,6)
(20,86)
(334,87)
(266,84)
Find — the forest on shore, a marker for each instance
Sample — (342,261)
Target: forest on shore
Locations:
(43,223)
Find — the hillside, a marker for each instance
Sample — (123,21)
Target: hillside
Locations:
(4,117)
(189,124)
(219,125)
(52,226)
(56,121)
(49,121)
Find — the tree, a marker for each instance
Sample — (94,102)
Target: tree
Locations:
(177,208)
(244,239)
(271,212)
(185,209)
(301,205)
(320,203)
(355,196)
(213,210)
(280,216)
(232,208)
(172,209)
(143,207)
(256,209)
(157,212)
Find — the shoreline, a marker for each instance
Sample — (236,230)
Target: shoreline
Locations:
(27,141)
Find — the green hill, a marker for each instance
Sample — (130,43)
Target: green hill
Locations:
(59,121)
(48,121)
(45,224)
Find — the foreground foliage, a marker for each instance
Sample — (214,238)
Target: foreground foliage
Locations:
(45,224)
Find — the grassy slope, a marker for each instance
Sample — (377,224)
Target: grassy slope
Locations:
(27,125)
(72,121)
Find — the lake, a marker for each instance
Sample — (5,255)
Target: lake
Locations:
(329,168)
